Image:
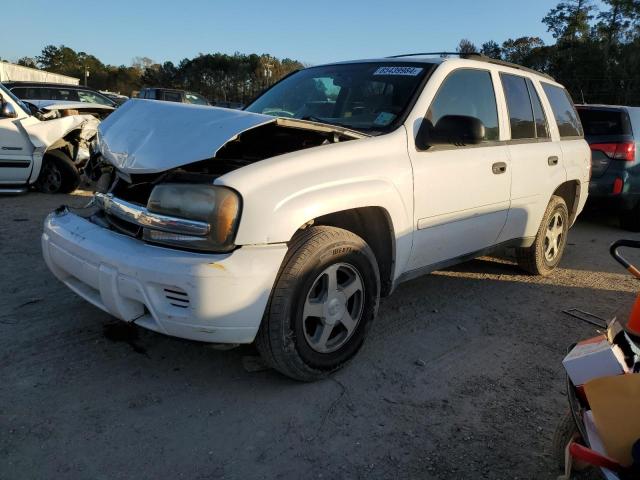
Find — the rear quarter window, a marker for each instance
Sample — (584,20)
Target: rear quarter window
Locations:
(563,110)
(19,92)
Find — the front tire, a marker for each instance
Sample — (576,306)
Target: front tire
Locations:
(58,174)
(545,254)
(322,304)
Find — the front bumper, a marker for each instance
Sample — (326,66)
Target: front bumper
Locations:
(217,298)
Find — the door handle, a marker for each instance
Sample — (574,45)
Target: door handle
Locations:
(552,161)
(498,168)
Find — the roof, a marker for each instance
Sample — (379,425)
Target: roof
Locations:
(603,106)
(46,84)
(441,57)
(165,89)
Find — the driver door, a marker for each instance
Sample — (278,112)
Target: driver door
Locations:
(15,150)
(461,193)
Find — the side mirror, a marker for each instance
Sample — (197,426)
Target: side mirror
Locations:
(8,110)
(450,130)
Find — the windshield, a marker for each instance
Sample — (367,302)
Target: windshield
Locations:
(88,96)
(362,96)
(5,92)
(195,99)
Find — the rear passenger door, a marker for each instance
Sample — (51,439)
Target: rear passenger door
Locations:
(536,156)
(576,155)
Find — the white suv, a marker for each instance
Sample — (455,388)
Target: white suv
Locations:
(46,152)
(285,223)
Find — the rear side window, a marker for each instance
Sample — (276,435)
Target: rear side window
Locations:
(467,92)
(604,122)
(526,115)
(519,104)
(172,97)
(20,92)
(563,111)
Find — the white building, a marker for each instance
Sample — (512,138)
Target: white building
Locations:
(10,72)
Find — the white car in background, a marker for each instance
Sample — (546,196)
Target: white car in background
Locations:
(285,223)
(45,152)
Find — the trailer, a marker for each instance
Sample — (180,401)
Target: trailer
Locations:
(10,72)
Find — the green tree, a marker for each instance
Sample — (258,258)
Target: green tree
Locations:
(491,49)
(570,20)
(27,62)
(466,47)
(614,23)
(521,49)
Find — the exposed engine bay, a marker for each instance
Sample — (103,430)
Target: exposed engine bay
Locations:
(266,141)
(147,151)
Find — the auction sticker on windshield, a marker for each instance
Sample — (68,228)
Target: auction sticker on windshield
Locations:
(407,71)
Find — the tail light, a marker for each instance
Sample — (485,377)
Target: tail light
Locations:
(618,151)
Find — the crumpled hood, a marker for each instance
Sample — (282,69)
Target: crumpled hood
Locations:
(68,105)
(150,136)
(43,134)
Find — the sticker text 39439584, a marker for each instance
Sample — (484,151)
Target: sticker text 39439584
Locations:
(406,71)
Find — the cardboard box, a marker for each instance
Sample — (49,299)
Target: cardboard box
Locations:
(594,358)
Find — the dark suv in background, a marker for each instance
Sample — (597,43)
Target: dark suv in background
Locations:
(613,133)
(57,91)
(172,95)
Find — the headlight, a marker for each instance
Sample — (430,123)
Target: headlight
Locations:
(217,207)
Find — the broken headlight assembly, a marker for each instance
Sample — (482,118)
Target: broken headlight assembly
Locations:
(193,216)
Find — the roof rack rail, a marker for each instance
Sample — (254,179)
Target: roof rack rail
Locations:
(478,57)
(442,54)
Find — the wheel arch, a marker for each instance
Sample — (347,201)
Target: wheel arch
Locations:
(374,226)
(570,192)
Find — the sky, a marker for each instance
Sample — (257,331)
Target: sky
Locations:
(315,32)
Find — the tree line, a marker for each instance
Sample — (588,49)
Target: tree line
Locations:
(596,53)
(217,76)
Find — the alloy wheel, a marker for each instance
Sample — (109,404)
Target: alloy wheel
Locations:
(553,237)
(333,307)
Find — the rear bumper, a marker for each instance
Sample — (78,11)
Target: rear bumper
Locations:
(601,190)
(217,298)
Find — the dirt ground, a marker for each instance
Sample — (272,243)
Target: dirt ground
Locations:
(461,378)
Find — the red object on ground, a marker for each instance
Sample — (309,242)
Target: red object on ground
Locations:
(580,452)
(633,325)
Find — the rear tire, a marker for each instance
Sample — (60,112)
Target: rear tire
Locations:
(58,174)
(322,305)
(543,256)
(566,431)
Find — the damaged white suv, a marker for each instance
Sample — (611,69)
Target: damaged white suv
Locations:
(285,223)
(45,152)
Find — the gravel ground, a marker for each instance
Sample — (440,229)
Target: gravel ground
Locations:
(460,378)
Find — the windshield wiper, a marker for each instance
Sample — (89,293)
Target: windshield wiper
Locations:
(313,118)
